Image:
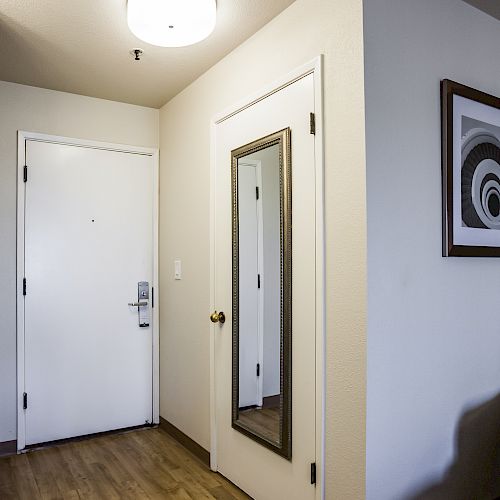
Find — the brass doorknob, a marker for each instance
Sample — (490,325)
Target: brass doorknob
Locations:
(216,317)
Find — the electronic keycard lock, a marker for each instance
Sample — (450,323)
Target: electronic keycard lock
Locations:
(142,303)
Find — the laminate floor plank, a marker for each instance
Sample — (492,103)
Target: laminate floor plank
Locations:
(6,478)
(122,481)
(24,480)
(264,421)
(221,493)
(79,469)
(153,476)
(44,476)
(143,464)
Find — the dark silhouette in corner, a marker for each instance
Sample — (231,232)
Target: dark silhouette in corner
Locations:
(475,472)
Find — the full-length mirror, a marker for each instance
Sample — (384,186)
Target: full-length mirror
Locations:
(261,183)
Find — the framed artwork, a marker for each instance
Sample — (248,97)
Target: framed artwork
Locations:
(470,171)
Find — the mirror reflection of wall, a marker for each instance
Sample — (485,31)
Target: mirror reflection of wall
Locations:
(260,291)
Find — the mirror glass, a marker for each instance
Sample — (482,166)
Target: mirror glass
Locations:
(262,291)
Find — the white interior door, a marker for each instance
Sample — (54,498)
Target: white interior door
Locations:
(249,287)
(88,242)
(257,470)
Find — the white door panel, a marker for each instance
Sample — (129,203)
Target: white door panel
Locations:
(249,293)
(258,471)
(88,242)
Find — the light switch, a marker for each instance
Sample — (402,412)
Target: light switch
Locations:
(178,269)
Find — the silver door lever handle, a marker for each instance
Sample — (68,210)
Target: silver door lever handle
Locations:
(137,304)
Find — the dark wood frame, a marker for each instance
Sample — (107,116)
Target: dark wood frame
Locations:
(449,89)
(283,138)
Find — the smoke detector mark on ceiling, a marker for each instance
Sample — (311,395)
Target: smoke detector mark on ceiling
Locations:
(137,53)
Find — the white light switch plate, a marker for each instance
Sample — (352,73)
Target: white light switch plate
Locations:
(178,269)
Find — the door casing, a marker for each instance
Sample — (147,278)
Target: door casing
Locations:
(23,136)
(314,67)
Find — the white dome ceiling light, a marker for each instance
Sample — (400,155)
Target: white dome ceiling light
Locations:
(171,23)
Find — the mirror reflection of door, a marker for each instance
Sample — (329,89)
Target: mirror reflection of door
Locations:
(259,291)
(250,224)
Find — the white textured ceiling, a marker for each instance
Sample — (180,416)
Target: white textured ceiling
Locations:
(491,7)
(82,46)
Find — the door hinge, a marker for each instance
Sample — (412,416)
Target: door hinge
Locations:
(25,400)
(258,369)
(312,123)
(257,193)
(152,297)
(258,280)
(24,286)
(25,173)
(313,473)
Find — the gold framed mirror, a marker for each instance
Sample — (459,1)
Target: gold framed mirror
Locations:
(262,291)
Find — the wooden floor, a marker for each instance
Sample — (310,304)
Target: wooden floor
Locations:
(147,463)
(264,421)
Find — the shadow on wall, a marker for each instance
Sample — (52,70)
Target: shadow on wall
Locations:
(475,472)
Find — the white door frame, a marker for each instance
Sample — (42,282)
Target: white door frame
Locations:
(314,67)
(21,153)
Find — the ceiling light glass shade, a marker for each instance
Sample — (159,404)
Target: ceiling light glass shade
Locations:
(171,23)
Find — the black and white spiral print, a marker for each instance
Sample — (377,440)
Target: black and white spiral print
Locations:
(481,179)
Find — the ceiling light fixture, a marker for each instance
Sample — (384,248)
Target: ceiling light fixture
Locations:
(171,23)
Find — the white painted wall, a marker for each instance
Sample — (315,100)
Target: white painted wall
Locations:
(270,195)
(58,113)
(433,332)
(303,31)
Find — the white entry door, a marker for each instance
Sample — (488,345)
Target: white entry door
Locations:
(262,473)
(88,242)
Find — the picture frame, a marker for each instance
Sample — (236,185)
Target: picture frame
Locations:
(470,171)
